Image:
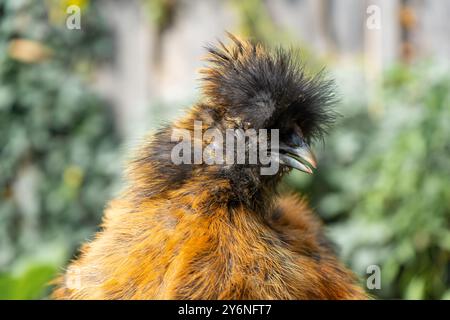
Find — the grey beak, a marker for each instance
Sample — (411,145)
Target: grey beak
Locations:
(299,157)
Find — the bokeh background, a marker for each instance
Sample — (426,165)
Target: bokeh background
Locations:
(74,102)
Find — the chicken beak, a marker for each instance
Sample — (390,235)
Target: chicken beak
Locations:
(299,157)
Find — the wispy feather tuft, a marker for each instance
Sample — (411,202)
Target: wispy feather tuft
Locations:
(267,86)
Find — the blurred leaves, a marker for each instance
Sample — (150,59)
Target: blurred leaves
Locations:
(29,285)
(58,145)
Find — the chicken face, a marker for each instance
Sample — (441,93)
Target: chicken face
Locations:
(254,87)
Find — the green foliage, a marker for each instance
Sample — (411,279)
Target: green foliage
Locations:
(58,144)
(383,184)
(31,284)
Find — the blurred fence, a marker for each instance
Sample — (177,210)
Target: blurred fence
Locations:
(159,42)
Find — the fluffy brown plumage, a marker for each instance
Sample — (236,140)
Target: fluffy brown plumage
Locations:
(197,231)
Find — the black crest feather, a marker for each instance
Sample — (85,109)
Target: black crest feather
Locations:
(267,86)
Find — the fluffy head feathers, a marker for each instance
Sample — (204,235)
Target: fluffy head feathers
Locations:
(267,88)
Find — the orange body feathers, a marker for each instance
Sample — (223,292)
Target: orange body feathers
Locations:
(198,231)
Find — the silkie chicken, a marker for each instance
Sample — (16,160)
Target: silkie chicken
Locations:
(221,230)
